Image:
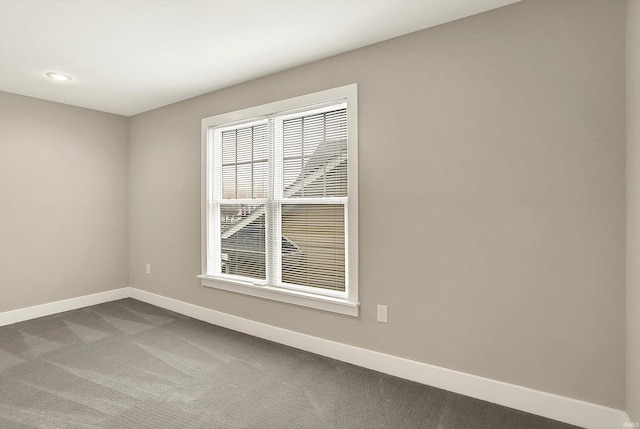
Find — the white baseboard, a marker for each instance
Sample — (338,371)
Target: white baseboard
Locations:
(28,313)
(567,410)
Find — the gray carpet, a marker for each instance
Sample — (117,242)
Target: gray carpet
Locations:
(127,364)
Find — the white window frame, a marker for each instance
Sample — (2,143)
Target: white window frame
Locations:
(335,301)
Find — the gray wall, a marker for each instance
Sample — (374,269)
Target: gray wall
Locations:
(633,209)
(63,201)
(492,197)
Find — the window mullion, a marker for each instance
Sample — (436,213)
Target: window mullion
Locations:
(235,163)
(275,194)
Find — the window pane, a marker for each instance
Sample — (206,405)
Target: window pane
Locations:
(242,232)
(245,144)
(229,181)
(261,142)
(244,181)
(260,180)
(292,131)
(229,147)
(313,245)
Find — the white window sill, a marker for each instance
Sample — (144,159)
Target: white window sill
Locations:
(327,303)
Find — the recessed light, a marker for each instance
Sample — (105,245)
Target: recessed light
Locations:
(58,76)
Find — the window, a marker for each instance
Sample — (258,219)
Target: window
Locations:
(280,201)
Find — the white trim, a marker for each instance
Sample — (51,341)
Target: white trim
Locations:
(290,296)
(28,313)
(320,98)
(567,410)
(212,198)
(351,215)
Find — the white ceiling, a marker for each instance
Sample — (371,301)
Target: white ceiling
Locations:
(130,56)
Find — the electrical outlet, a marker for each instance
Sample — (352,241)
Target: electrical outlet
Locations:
(147,268)
(382,313)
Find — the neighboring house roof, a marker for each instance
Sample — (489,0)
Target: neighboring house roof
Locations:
(252,240)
